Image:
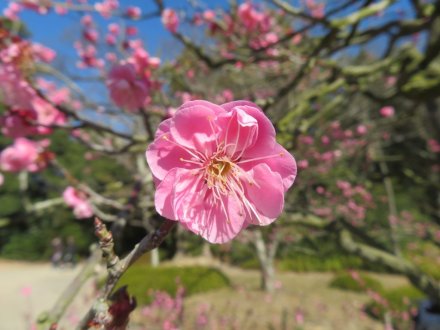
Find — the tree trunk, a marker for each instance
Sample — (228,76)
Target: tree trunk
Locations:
(265,258)
(206,250)
(154,257)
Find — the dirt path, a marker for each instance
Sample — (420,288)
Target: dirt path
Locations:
(27,289)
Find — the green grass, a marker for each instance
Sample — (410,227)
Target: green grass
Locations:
(317,264)
(141,279)
(344,281)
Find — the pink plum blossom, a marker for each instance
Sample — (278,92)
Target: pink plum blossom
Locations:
(303,164)
(131,31)
(434,146)
(219,169)
(78,201)
(114,28)
(362,129)
(299,316)
(248,16)
(387,111)
(12,11)
(61,10)
(126,89)
(22,155)
(87,20)
(43,53)
(91,35)
(26,291)
(133,12)
(17,124)
(209,15)
(47,115)
(106,7)
(83,211)
(170,20)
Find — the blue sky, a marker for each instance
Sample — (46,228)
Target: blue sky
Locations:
(59,32)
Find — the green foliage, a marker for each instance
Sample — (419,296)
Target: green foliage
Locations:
(427,264)
(305,263)
(400,299)
(35,243)
(345,281)
(32,245)
(9,198)
(142,278)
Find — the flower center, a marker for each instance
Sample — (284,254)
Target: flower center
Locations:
(219,168)
(217,173)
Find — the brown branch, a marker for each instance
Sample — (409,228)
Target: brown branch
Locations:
(422,281)
(116,268)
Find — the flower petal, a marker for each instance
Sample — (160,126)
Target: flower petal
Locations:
(240,131)
(216,226)
(164,194)
(266,132)
(164,127)
(194,127)
(163,155)
(183,196)
(281,162)
(266,194)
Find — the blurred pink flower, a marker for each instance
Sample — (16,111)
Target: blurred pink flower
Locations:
(87,20)
(24,155)
(433,146)
(114,28)
(299,316)
(91,35)
(170,20)
(47,115)
(43,53)
(78,201)
(219,169)
(297,39)
(133,12)
(2,179)
(26,291)
(249,16)
(320,190)
(303,164)
(126,89)
(131,31)
(362,129)
(17,124)
(390,81)
(12,11)
(61,10)
(83,210)
(110,39)
(209,15)
(106,7)
(387,111)
(20,156)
